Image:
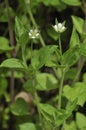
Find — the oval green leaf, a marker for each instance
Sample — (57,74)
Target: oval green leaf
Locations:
(12,63)
(19,107)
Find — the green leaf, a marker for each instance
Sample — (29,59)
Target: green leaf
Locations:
(71,126)
(19,107)
(53,34)
(47,108)
(13,63)
(74,38)
(17,74)
(43,56)
(58,4)
(19,29)
(71,56)
(70,74)
(25,126)
(72,2)
(48,2)
(4,44)
(78,91)
(21,34)
(60,116)
(78,24)
(55,116)
(84,78)
(71,106)
(83,49)
(29,85)
(47,111)
(3,85)
(45,81)
(81,121)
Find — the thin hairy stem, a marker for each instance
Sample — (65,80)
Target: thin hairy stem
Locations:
(60,46)
(60,90)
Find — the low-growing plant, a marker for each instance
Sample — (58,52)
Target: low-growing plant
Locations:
(34,69)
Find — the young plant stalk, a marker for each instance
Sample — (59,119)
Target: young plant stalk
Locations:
(62,79)
(60,89)
(35,92)
(60,46)
(23,56)
(31,49)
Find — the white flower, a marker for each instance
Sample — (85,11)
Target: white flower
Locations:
(33,33)
(59,28)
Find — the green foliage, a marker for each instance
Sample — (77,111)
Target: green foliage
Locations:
(30,126)
(3,13)
(72,2)
(83,49)
(3,85)
(46,81)
(19,107)
(79,24)
(71,126)
(56,3)
(21,33)
(76,92)
(12,63)
(44,57)
(71,56)
(52,33)
(74,38)
(81,121)
(4,47)
(54,116)
(42,78)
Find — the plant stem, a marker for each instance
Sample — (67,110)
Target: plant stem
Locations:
(34,23)
(80,66)
(62,78)
(60,90)
(31,49)
(23,55)
(11,35)
(37,104)
(60,46)
(35,93)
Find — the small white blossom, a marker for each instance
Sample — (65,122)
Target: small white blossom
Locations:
(33,33)
(59,28)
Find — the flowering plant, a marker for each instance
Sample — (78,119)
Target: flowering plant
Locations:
(43,85)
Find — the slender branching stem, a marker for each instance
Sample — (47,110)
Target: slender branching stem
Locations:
(23,55)
(31,49)
(60,90)
(80,66)
(62,78)
(60,46)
